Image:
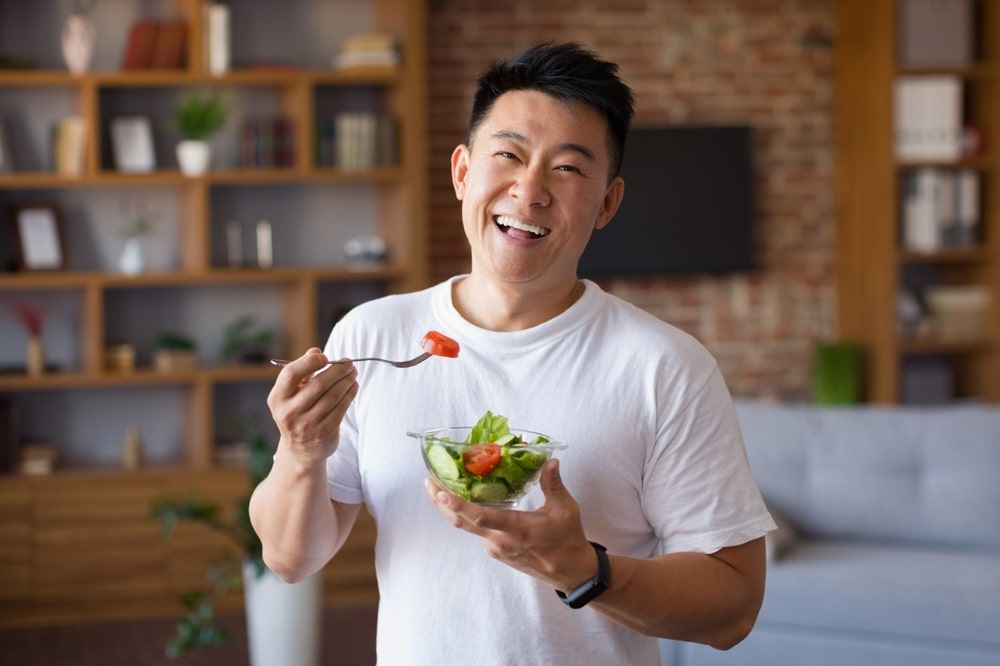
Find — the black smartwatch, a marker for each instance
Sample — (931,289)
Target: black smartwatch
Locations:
(587,592)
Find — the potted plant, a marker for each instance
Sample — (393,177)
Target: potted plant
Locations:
(283,620)
(245,343)
(198,118)
(174,351)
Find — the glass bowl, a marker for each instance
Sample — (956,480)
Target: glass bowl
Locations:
(494,474)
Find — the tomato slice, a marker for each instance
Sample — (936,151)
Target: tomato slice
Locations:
(439,344)
(481,459)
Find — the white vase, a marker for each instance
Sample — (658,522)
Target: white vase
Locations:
(132,260)
(193,157)
(78,39)
(283,620)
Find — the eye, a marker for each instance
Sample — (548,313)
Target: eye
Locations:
(506,155)
(569,168)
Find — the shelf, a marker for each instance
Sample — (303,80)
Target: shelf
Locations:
(971,255)
(912,346)
(147,78)
(137,377)
(108,280)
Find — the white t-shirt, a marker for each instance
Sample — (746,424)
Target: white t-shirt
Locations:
(655,460)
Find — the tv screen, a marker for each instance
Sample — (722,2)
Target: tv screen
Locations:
(688,205)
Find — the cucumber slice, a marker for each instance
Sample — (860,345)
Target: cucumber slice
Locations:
(489,492)
(506,439)
(442,463)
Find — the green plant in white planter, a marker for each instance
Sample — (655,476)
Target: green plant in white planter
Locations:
(198,118)
(283,620)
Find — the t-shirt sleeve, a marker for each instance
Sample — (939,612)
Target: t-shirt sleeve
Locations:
(700,494)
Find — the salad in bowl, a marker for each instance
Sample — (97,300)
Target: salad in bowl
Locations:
(488,463)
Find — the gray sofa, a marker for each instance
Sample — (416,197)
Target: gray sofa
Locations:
(888,552)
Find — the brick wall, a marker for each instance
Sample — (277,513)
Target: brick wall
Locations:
(763,62)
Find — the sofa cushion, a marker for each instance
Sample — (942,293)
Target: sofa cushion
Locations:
(878,590)
(925,474)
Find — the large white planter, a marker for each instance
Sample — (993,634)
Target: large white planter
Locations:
(283,620)
(193,157)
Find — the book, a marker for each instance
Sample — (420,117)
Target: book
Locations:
(928,120)
(70,146)
(366,59)
(386,141)
(139,45)
(6,159)
(267,142)
(940,208)
(217,38)
(169,42)
(370,49)
(968,203)
(920,230)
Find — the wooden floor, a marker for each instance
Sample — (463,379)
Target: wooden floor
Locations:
(348,640)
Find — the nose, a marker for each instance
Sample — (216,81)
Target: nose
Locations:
(531,187)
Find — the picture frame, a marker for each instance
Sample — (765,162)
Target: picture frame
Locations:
(132,144)
(38,236)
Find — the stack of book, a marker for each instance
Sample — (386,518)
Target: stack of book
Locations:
(357,140)
(267,142)
(69,146)
(940,208)
(156,44)
(374,49)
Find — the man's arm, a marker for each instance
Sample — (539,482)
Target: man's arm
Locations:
(712,599)
(705,598)
(300,528)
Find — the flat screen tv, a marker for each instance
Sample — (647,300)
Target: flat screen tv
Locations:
(688,205)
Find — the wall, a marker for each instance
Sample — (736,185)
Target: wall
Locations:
(763,62)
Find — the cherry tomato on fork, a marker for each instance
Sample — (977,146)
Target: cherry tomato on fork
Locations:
(439,344)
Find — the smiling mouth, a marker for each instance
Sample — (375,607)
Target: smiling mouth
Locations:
(514,227)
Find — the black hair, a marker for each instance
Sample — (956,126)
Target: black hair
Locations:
(567,72)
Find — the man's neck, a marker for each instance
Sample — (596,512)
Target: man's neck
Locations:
(501,307)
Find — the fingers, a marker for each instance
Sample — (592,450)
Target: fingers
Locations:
(309,400)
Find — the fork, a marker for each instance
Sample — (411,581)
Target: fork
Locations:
(399,364)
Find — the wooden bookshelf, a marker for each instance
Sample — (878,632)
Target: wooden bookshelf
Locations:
(78,545)
(873,266)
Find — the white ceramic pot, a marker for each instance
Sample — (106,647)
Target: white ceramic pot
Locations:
(193,157)
(132,260)
(283,620)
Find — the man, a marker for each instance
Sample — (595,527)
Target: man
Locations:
(649,523)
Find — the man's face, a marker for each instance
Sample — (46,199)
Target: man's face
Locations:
(534,186)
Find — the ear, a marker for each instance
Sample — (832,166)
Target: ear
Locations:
(612,199)
(459,169)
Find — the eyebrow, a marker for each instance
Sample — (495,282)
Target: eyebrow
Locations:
(517,137)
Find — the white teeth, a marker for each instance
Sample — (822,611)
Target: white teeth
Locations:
(505,221)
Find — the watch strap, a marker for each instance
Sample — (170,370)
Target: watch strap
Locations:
(589,590)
